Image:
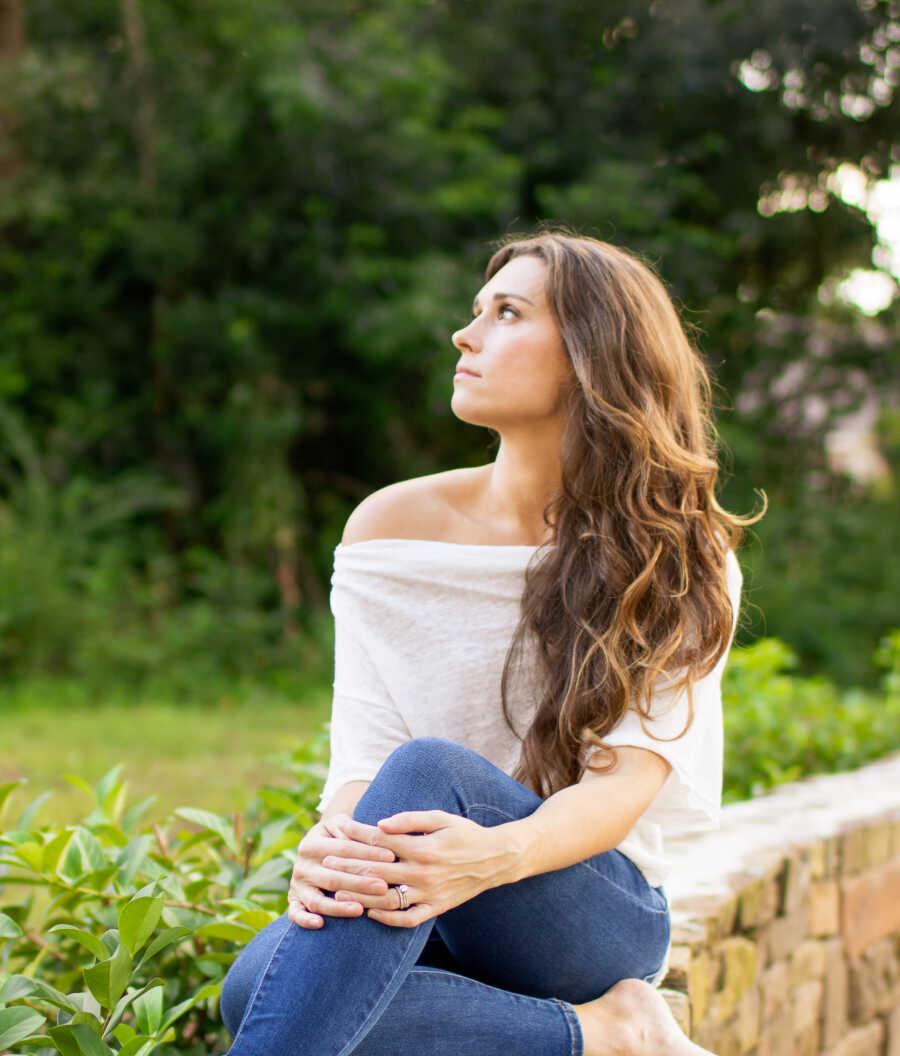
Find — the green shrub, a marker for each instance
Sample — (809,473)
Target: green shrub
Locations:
(117,940)
(780,727)
(89,591)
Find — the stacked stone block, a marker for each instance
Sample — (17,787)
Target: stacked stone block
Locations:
(786,921)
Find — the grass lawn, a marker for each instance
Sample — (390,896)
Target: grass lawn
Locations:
(213,757)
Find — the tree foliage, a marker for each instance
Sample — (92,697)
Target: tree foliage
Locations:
(236,238)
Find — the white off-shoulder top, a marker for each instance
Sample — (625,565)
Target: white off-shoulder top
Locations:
(422,629)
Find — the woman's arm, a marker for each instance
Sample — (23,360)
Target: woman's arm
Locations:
(345,799)
(585,819)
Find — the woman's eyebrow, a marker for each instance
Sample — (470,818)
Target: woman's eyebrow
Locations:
(501,297)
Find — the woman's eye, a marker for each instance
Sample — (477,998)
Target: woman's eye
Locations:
(507,308)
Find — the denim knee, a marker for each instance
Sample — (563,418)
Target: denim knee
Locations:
(429,754)
(418,775)
(236,990)
(245,972)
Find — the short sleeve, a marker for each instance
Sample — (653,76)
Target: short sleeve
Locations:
(366,725)
(690,799)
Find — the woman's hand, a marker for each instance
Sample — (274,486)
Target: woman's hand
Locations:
(310,879)
(452,861)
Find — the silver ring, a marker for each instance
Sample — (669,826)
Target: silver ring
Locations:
(404,902)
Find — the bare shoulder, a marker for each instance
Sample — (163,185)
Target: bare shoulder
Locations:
(429,507)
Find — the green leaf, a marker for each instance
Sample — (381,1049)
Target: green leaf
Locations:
(32,854)
(214,958)
(171,885)
(18,1023)
(131,857)
(210,990)
(64,1040)
(123,1032)
(278,801)
(9,929)
(257,918)
(80,784)
(272,832)
(7,790)
(226,929)
(83,855)
(27,815)
(198,889)
(107,783)
(98,879)
(107,979)
(14,988)
(137,921)
(137,1046)
(125,1001)
(89,1043)
(90,942)
(134,813)
(89,1010)
(52,996)
(78,1039)
(148,1010)
(38,1041)
(207,820)
(163,940)
(111,833)
(54,850)
(264,877)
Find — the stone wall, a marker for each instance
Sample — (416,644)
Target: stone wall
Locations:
(786,921)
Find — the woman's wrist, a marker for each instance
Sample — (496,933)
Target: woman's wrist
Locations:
(511,841)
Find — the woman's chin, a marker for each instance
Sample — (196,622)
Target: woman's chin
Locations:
(472,417)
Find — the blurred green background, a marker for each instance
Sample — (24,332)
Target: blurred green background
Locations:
(234,241)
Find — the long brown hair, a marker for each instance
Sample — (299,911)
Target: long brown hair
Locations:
(632,587)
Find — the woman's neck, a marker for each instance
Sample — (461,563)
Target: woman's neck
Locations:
(517,486)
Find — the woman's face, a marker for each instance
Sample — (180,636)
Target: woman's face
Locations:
(515,350)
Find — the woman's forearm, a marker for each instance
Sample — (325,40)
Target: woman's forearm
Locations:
(345,799)
(582,820)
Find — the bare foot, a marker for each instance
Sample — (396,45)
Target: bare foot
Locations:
(633,1019)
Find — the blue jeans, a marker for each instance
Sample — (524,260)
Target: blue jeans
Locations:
(496,974)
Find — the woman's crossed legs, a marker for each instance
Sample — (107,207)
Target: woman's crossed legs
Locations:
(525,951)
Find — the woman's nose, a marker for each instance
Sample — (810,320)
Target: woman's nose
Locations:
(463,338)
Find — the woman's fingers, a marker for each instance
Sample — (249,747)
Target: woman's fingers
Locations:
(298,915)
(397,844)
(317,845)
(335,879)
(391,873)
(346,827)
(307,906)
(405,918)
(344,848)
(310,875)
(386,902)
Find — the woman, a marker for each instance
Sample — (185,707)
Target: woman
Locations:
(528,658)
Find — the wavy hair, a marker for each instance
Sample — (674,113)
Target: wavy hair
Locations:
(631,589)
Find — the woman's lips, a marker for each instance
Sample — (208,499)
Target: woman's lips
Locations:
(461,372)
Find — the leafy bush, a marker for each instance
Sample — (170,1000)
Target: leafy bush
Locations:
(117,940)
(88,590)
(780,727)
